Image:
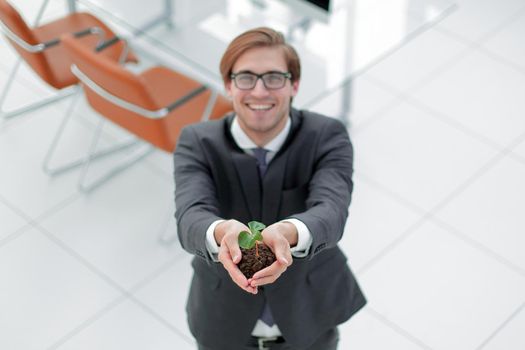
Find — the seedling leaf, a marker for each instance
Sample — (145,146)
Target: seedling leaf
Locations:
(256,226)
(247,239)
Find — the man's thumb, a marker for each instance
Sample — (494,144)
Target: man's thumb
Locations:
(280,255)
(235,253)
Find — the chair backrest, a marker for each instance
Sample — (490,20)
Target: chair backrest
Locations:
(16,24)
(108,74)
(119,82)
(129,87)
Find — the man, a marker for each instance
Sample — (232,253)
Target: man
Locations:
(290,170)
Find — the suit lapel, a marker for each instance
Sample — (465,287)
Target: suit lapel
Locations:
(273,184)
(249,180)
(273,181)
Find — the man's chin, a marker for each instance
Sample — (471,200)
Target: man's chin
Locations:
(258,118)
(259,128)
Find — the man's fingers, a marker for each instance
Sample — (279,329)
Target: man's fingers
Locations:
(264,280)
(235,274)
(251,289)
(239,279)
(284,258)
(235,252)
(268,275)
(277,268)
(233,248)
(283,254)
(234,271)
(242,282)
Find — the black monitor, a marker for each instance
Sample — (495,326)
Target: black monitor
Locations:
(316,9)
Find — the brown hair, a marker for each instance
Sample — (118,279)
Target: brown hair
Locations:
(255,38)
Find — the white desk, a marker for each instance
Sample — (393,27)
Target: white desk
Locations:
(358,35)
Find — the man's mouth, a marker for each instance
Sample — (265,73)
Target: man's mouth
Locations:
(260,107)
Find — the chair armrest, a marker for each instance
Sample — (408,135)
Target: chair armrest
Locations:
(156,114)
(79,34)
(179,102)
(47,44)
(105,44)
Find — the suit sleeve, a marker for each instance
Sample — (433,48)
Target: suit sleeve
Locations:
(195,195)
(330,188)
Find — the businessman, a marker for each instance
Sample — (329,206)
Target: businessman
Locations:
(291,170)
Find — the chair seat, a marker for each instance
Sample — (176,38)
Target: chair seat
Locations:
(57,57)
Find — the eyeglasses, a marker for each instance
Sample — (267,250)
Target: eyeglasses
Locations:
(271,80)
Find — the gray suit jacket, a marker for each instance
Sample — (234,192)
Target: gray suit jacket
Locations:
(310,179)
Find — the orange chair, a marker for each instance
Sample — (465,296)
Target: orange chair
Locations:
(153,106)
(41,49)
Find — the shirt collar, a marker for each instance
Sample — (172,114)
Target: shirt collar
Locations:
(243,141)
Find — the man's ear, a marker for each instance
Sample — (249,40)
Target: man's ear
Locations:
(228,88)
(295,87)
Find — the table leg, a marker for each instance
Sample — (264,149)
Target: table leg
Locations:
(71,6)
(168,13)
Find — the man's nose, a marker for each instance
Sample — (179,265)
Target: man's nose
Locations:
(259,89)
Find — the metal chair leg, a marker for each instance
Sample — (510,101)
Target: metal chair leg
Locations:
(9,81)
(10,114)
(18,111)
(53,171)
(168,13)
(54,143)
(7,87)
(40,12)
(87,186)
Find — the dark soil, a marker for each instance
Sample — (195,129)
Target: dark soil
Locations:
(251,263)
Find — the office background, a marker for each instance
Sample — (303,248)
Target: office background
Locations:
(435,232)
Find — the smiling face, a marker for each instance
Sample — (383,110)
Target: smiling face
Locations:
(261,112)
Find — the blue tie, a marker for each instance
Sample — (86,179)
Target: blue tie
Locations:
(260,155)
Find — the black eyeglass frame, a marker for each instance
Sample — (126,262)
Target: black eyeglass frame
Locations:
(286,75)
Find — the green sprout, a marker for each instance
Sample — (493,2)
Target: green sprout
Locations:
(248,240)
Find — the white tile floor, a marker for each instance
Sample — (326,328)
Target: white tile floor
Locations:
(435,233)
